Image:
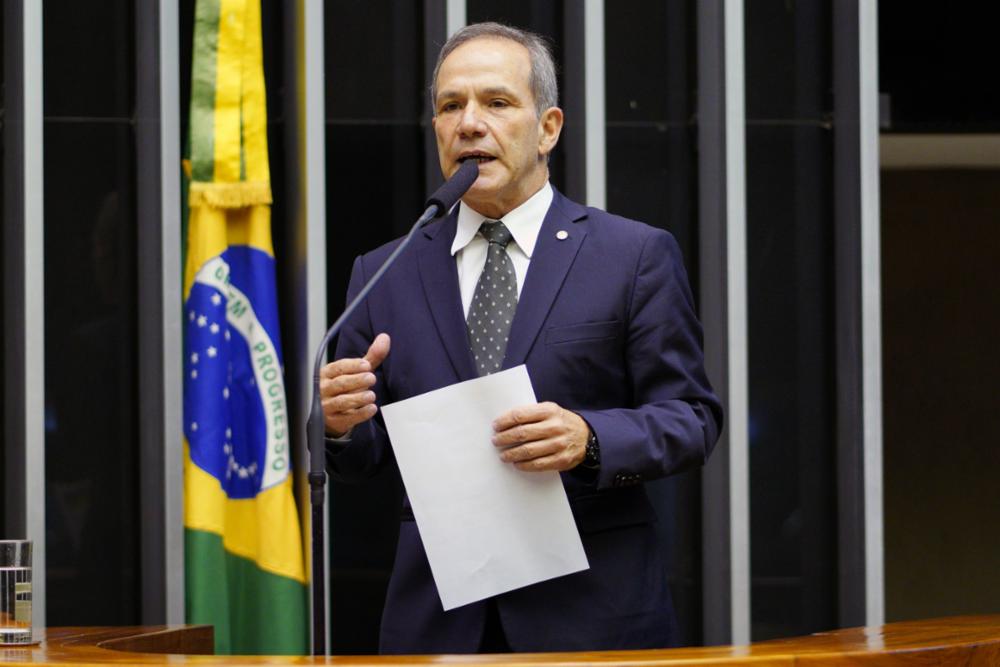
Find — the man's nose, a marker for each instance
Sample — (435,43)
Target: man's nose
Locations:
(471,122)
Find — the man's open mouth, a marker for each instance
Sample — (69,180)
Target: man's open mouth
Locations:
(480,158)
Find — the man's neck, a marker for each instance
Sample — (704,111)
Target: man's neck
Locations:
(496,210)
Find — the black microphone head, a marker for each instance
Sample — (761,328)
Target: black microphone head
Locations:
(453,189)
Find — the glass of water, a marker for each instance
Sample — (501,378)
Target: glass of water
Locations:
(15,591)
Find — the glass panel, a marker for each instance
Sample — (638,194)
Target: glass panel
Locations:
(791,309)
(91,462)
(375,191)
(937,67)
(89,70)
(652,177)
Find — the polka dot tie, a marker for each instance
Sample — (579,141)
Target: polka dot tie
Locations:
(494,301)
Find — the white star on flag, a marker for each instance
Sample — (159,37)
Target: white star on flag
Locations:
(216,299)
(202,320)
(194,358)
(214,328)
(211,351)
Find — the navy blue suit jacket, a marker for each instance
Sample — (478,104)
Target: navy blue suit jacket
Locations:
(606,326)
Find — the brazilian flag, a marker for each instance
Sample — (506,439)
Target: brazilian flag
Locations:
(243,546)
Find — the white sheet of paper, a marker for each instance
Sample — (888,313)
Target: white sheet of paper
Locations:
(487,527)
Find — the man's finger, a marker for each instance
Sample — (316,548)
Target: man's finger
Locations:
(555,462)
(525,414)
(341,423)
(378,351)
(347,402)
(516,435)
(343,384)
(344,367)
(531,450)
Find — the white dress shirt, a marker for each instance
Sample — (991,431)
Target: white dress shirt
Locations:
(469,247)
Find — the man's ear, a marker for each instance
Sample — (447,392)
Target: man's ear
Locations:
(549,126)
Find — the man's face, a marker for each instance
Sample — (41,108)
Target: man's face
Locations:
(485,111)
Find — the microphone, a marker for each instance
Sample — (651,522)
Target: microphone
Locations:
(437,205)
(453,189)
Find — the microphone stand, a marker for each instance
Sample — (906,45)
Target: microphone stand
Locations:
(439,204)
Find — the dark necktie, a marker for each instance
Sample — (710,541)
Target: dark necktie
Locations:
(494,301)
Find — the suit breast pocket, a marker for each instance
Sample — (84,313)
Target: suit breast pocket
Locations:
(581,365)
(583,333)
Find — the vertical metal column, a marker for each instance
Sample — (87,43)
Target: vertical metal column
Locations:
(596,130)
(454,16)
(722,228)
(305,178)
(157,138)
(172,456)
(24,288)
(858,313)
(871,313)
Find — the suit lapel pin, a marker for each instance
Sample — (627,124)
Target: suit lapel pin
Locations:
(562,235)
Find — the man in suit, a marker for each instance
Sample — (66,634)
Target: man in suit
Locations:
(600,311)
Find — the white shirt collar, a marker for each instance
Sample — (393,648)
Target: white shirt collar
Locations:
(524,222)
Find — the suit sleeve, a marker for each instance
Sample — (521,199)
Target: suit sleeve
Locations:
(675,418)
(367,449)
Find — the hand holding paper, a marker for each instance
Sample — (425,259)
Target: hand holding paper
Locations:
(542,436)
(487,527)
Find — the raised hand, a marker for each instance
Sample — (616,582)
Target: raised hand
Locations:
(345,388)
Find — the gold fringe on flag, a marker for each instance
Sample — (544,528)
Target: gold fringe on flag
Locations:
(240,194)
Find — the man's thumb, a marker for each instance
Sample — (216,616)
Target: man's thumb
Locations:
(378,351)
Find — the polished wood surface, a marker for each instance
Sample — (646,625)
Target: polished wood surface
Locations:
(961,640)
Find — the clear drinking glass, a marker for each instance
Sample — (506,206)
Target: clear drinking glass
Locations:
(15,591)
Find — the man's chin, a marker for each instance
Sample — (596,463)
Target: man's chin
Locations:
(481,200)
(482,190)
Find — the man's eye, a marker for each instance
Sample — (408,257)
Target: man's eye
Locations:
(498,104)
(450,106)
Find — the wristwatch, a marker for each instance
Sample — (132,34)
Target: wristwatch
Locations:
(592,457)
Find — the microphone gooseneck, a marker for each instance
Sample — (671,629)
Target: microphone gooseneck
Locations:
(437,205)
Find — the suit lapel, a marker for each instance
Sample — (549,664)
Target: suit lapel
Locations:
(547,271)
(439,278)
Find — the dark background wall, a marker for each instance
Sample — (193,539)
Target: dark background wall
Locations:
(941,362)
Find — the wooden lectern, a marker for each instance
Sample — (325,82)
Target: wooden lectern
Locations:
(961,640)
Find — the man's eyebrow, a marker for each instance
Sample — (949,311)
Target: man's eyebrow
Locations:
(499,90)
(502,91)
(445,94)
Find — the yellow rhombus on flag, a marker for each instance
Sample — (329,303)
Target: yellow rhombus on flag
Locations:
(243,547)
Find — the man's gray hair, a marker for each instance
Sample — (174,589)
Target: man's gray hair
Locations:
(544,86)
